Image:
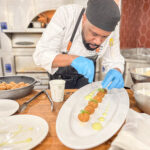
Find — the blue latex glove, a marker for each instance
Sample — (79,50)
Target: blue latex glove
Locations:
(114,77)
(85,67)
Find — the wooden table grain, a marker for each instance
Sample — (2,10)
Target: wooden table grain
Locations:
(41,107)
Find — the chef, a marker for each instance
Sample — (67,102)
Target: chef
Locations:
(76,37)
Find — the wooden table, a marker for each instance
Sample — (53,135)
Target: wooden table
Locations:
(41,107)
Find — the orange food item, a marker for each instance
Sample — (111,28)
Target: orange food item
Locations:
(12,85)
(89,109)
(100,94)
(98,98)
(2,87)
(8,86)
(93,103)
(84,117)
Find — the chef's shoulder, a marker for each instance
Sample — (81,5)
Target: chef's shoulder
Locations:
(69,11)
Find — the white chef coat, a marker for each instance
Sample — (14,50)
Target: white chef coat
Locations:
(58,33)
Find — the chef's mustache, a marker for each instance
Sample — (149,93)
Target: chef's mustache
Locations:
(87,45)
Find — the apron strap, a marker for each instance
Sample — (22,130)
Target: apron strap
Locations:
(75,29)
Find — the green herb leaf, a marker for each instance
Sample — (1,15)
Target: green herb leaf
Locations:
(84,111)
(101,90)
(94,100)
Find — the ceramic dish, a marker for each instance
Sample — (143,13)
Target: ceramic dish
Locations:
(109,116)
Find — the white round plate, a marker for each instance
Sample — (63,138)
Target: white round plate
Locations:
(22,132)
(77,135)
(8,107)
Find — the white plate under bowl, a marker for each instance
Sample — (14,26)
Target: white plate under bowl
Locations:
(8,107)
(77,135)
(22,132)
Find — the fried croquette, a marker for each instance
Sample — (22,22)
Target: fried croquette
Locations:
(98,98)
(12,85)
(93,103)
(84,116)
(89,109)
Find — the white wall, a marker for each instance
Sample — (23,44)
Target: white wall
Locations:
(81,2)
(18,13)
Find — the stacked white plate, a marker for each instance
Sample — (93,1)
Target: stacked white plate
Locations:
(8,107)
(19,132)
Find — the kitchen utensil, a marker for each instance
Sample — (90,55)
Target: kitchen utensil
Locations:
(20,92)
(112,111)
(52,106)
(142,96)
(138,74)
(24,105)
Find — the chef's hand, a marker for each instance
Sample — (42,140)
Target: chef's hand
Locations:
(85,67)
(114,77)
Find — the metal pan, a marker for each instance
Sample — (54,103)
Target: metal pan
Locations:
(20,92)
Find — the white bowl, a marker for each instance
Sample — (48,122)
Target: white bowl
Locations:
(142,96)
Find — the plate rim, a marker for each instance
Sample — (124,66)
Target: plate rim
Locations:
(11,101)
(98,143)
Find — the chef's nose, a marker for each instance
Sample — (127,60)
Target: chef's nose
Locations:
(98,40)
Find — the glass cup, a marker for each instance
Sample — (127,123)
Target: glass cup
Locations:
(57,89)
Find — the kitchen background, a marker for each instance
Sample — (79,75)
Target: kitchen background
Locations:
(26,20)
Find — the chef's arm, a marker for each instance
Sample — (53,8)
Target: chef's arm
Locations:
(63,60)
(83,66)
(48,48)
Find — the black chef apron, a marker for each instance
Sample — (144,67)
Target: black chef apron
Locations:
(69,74)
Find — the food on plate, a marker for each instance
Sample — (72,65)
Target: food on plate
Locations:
(97,126)
(84,116)
(12,85)
(90,95)
(92,105)
(89,109)
(101,92)
(101,118)
(98,98)
(104,114)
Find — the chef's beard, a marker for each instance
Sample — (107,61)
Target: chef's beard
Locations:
(87,45)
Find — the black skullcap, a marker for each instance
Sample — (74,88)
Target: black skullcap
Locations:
(103,14)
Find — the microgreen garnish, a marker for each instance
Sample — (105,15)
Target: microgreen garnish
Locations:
(94,100)
(101,90)
(84,111)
